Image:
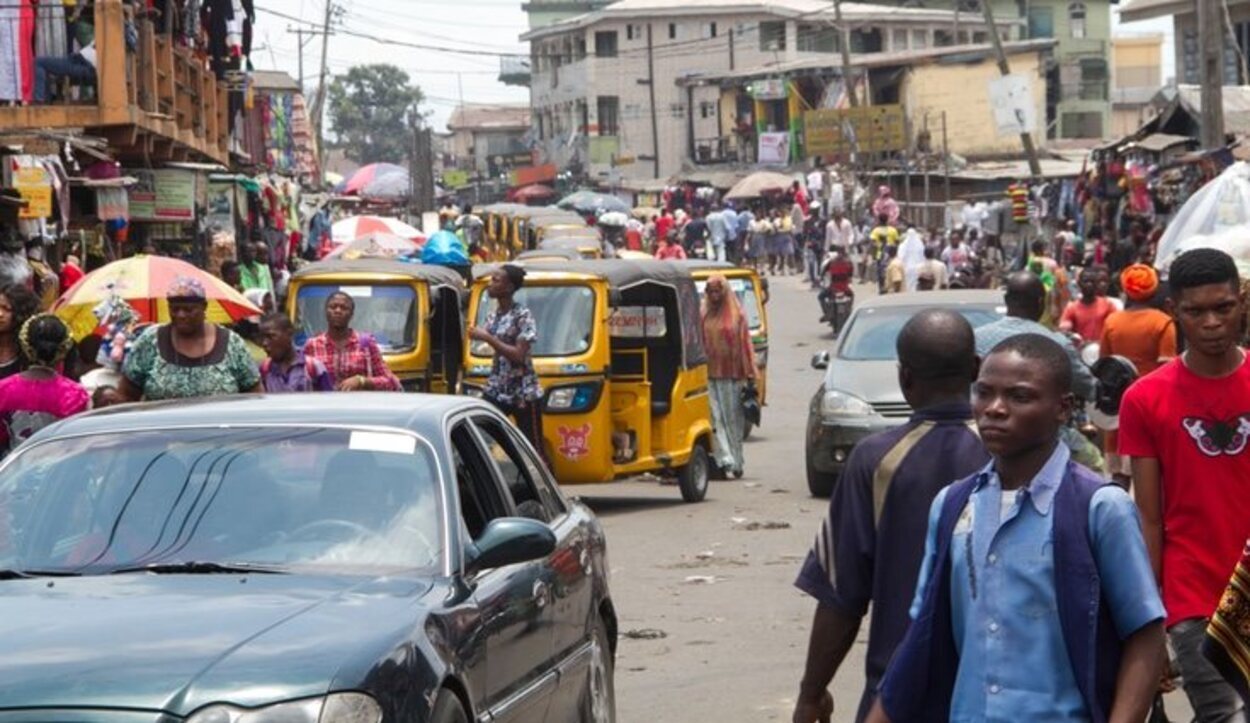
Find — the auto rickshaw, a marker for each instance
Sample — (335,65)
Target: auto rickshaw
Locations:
(497,228)
(412,310)
(620,358)
(532,227)
(752,292)
(587,247)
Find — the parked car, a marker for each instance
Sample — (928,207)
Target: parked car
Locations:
(859,395)
(359,558)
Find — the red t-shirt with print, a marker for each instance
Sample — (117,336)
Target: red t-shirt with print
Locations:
(1199,430)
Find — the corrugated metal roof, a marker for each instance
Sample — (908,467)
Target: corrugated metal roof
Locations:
(1159,142)
(496,116)
(274,80)
(817,10)
(1236,105)
(1146,9)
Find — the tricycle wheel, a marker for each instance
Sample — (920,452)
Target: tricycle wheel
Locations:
(693,478)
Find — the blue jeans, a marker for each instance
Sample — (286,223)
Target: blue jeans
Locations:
(74,67)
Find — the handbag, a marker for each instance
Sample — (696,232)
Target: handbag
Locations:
(751,403)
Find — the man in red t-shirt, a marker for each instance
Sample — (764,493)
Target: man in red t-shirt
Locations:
(1186,428)
(1086,315)
(663,225)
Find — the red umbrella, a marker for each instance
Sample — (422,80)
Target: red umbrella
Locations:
(377,181)
(533,192)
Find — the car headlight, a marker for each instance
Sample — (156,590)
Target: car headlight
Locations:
(841,404)
(333,708)
(572,398)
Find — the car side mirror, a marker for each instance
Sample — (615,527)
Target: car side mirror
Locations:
(820,360)
(508,541)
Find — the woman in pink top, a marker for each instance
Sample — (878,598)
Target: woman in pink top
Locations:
(667,250)
(40,395)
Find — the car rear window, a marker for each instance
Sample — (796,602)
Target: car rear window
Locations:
(873,332)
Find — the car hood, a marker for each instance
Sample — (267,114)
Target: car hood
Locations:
(872,381)
(178,642)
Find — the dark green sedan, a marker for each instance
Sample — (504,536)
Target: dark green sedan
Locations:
(327,558)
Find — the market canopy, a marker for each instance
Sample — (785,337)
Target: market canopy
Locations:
(760,183)
(354,227)
(588,202)
(374,246)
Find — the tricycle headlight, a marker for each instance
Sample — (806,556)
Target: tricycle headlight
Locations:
(572,398)
(333,708)
(841,404)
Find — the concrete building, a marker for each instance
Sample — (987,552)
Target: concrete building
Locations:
(1078,75)
(542,13)
(490,139)
(1185,29)
(606,97)
(1136,76)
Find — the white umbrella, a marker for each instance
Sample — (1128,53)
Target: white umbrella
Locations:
(758,184)
(354,227)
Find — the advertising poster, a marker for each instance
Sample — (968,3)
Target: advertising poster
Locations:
(167,194)
(774,148)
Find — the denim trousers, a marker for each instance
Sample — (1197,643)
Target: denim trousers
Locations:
(1213,699)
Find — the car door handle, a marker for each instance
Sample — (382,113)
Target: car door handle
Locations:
(540,594)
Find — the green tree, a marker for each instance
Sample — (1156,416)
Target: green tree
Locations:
(374,108)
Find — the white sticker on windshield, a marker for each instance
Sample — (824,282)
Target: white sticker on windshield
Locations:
(389,442)
(362,292)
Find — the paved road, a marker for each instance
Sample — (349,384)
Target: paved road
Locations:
(713,629)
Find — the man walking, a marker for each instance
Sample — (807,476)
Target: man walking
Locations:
(1185,428)
(287,369)
(719,225)
(868,550)
(1035,600)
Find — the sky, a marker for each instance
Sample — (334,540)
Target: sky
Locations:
(484,27)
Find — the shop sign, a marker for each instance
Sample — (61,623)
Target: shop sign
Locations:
(533,174)
(870,129)
(774,148)
(1011,97)
(35,186)
(220,205)
(769,89)
(167,194)
(455,178)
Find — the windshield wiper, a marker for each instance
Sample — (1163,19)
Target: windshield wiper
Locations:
(28,574)
(197,567)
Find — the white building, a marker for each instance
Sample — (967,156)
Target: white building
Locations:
(605,96)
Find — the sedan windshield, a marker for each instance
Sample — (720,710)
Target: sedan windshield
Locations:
(563,316)
(339,499)
(873,332)
(388,313)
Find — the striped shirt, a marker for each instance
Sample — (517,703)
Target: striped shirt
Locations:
(869,548)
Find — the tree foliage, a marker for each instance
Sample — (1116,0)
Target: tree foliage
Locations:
(374,109)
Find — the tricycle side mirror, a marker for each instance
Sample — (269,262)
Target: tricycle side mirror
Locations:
(508,541)
(820,360)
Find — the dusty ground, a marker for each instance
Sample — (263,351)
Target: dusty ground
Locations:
(713,629)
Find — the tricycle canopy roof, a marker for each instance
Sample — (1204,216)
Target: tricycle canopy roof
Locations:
(431,274)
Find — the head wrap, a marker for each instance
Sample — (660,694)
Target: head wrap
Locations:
(186,288)
(1139,282)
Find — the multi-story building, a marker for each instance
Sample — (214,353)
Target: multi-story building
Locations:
(490,139)
(1136,76)
(542,13)
(607,92)
(1185,31)
(1079,104)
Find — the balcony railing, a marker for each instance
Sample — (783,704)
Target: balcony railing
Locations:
(157,102)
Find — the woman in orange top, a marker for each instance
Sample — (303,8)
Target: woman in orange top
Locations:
(1142,334)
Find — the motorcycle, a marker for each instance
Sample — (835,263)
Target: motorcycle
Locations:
(837,299)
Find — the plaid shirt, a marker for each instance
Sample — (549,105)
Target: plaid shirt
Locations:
(359,356)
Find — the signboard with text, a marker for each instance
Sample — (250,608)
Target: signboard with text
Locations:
(871,129)
(167,194)
(768,89)
(35,187)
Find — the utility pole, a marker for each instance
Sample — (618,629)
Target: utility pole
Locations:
(319,105)
(844,41)
(655,124)
(1211,54)
(1026,138)
(299,33)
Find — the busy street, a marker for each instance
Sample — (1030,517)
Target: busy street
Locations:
(583,361)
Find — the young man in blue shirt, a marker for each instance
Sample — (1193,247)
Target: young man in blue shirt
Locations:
(1036,600)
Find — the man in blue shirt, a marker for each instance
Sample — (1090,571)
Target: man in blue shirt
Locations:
(1036,600)
(869,548)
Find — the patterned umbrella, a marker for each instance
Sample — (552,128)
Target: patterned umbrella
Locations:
(760,183)
(142,281)
(375,246)
(586,202)
(350,229)
(378,181)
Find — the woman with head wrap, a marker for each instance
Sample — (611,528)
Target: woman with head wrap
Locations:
(911,253)
(510,332)
(190,356)
(40,395)
(730,367)
(1140,333)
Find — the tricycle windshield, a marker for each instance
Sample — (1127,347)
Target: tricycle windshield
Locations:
(386,311)
(563,315)
(747,299)
(337,500)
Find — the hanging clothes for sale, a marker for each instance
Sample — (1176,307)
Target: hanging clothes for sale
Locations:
(1019,195)
(17,50)
(51,38)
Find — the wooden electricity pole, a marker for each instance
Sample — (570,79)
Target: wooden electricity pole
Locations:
(1026,138)
(655,125)
(844,42)
(1211,68)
